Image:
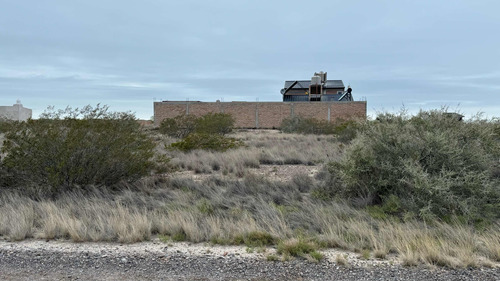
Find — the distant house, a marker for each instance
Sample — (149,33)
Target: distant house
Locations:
(317,98)
(15,112)
(318,88)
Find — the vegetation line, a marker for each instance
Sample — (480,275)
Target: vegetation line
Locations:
(424,188)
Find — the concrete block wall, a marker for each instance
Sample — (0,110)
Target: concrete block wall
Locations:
(265,115)
(16,112)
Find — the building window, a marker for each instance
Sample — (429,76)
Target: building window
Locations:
(340,92)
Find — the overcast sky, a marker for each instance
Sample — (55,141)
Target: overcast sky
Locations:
(126,54)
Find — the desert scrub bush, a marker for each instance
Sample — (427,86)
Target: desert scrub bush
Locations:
(6,125)
(297,124)
(77,147)
(345,130)
(211,123)
(427,166)
(215,123)
(178,127)
(212,142)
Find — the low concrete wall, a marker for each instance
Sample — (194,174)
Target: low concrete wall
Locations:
(266,115)
(16,112)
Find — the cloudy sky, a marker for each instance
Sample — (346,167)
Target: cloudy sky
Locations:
(416,54)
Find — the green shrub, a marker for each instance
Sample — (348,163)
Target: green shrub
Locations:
(297,124)
(206,142)
(211,123)
(215,123)
(6,125)
(6,179)
(430,165)
(344,130)
(178,127)
(68,148)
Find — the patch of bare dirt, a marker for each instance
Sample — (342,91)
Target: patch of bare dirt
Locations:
(282,173)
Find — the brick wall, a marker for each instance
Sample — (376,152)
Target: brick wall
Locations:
(263,114)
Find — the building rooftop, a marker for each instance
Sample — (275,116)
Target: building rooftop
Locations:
(304,84)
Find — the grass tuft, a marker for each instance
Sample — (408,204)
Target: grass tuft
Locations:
(272,258)
(296,247)
(365,254)
(316,256)
(341,260)
(258,239)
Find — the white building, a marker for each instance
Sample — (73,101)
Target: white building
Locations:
(16,112)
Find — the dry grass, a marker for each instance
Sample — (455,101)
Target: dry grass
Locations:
(17,221)
(262,148)
(341,260)
(237,210)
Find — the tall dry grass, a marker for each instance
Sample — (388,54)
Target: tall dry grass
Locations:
(262,148)
(223,211)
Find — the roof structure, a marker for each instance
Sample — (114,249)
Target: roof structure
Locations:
(304,84)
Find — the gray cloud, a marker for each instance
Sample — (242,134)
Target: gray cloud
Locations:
(421,54)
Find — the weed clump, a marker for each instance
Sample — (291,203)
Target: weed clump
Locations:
(179,236)
(316,256)
(258,239)
(272,258)
(296,247)
(365,254)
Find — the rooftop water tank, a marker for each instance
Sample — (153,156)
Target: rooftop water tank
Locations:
(315,80)
(322,75)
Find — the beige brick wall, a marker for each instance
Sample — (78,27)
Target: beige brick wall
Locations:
(167,110)
(317,110)
(264,114)
(271,114)
(243,113)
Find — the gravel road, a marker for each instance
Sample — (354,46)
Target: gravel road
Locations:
(39,260)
